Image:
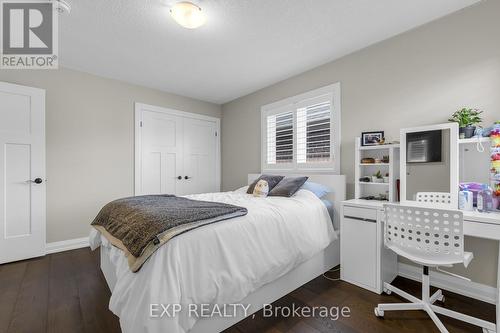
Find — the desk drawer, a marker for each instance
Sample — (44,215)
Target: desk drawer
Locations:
(359,213)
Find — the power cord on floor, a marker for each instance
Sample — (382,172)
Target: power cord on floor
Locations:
(336,269)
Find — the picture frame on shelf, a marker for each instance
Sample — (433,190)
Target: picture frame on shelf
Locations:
(372,138)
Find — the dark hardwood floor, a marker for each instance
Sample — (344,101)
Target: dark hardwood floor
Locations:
(66,292)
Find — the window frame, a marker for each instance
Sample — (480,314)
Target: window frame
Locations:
(292,104)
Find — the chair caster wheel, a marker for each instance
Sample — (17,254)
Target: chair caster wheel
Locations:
(378,313)
(387,291)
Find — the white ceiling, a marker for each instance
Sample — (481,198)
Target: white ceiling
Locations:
(245,45)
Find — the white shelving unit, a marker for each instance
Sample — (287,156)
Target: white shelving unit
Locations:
(474,140)
(364,189)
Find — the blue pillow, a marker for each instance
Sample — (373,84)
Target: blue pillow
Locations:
(329,207)
(318,189)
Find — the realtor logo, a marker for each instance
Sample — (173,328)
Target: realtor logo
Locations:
(29,35)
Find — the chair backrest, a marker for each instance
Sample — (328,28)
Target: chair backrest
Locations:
(440,198)
(424,234)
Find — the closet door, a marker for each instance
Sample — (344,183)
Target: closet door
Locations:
(199,160)
(175,152)
(161,153)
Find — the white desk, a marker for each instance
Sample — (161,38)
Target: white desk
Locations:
(480,225)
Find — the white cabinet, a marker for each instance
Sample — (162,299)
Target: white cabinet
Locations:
(360,249)
(363,259)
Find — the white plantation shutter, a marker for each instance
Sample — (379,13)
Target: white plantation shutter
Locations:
(313,133)
(280,138)
(303,132)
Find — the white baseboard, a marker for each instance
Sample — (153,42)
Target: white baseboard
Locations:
(70,244)
(470,289)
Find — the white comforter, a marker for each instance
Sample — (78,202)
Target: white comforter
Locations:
(220,263)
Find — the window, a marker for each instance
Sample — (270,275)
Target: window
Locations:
(303,132)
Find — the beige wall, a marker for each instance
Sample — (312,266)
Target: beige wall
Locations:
(417,78)
(90,141)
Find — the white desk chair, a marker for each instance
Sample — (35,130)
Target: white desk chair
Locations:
(429,237)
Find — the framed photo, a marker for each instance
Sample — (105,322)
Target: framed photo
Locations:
(371,138)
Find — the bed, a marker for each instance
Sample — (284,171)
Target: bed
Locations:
(252,264)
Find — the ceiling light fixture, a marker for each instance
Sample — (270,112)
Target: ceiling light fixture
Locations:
(188,15)
(62,6)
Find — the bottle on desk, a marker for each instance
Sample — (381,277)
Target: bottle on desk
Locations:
(485,199)
(466,199)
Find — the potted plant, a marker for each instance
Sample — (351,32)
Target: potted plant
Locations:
(377,178)
(467,120)
(386,178)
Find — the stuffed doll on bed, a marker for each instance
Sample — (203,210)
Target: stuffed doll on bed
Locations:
(261,189)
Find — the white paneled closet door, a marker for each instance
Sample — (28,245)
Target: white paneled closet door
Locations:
(22,172)
(161,153)
(176,152)
(199,158)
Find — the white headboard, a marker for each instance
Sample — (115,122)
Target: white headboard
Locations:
(337,183)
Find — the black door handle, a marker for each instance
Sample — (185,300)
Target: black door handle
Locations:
(186,177)
(38,181)
(179,177)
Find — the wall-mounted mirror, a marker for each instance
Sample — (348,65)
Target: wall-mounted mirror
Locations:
(429,165)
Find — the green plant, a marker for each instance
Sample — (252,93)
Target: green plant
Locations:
(466,117)
(378,174)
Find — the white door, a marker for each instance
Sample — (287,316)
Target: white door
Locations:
(200,143)
(161,160)
(22,172)
(176,152)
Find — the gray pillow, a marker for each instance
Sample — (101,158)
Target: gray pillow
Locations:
(272,181)
(287,187)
